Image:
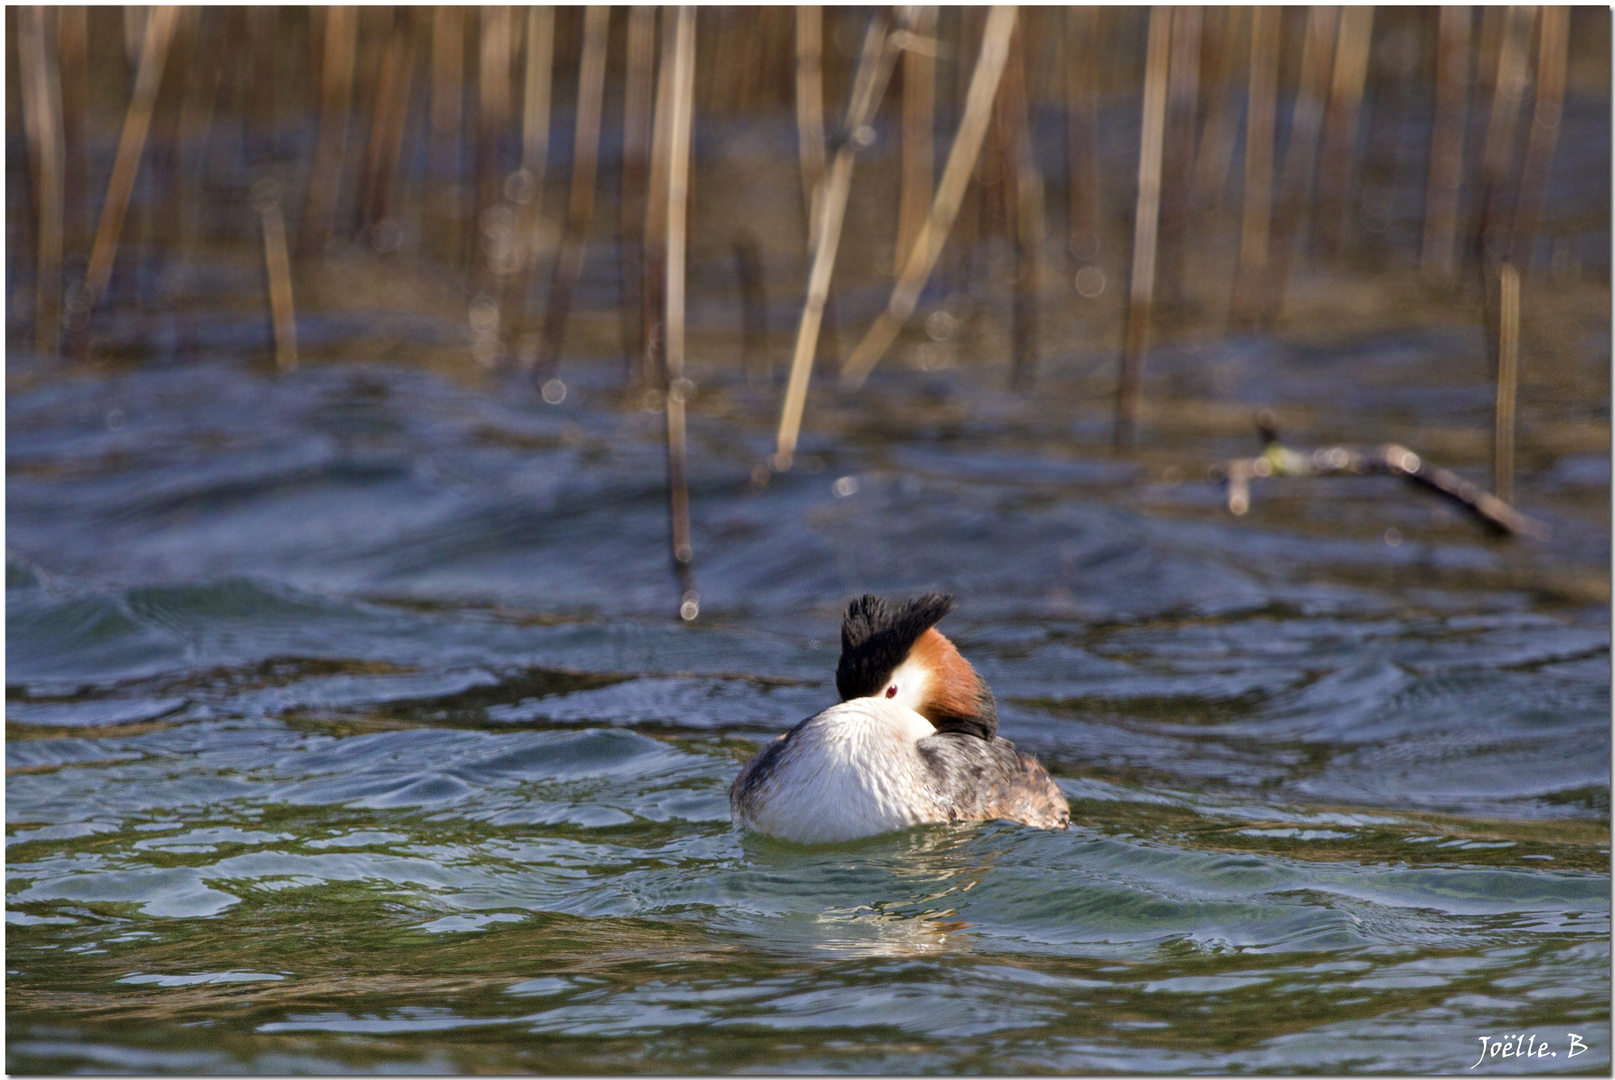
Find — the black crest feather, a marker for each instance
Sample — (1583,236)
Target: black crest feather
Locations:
(877,634)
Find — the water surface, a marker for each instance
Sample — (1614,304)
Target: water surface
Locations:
(350,727)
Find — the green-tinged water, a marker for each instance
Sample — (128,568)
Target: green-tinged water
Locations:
(350,728)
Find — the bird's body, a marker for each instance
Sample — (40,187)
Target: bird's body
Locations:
(914,741)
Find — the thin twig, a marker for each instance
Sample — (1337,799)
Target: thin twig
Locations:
(1391,459)
(945,207)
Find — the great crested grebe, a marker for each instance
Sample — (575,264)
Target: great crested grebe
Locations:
(913,741)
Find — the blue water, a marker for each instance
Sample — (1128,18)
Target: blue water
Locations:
(351,726)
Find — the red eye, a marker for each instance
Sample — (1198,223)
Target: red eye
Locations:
(891,691)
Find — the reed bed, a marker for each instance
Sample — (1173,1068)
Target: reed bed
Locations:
(426,135)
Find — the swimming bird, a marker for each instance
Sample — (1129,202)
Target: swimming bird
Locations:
(913,741)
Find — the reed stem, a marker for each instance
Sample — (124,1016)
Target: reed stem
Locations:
(639,105)
(536,90)
(869,85)
(1437,260)
(1554,23)
(1340,123)
(1301,155)
(42,111)
(585,167)
(493,118)
(1492,230)
(159,30)
(1215,154)
(919,124)
(278,266)
(330,147)
(73,47)
(1083,210)
(950,191)
(1508,364)
(1260,121)
(1145,220)
(678,386)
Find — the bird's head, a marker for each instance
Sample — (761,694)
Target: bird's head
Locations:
(892,649)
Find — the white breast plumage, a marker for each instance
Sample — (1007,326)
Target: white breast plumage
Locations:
(849,772)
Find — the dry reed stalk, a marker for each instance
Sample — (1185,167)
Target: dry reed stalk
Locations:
(73,63)
(330,147)
(1023,193)
(536,86)
(810,111)
(1508,364)
(1145,218)
(1083,211)
(654,279)
(396,74)
(1340,122)
(1215,155)
(1262,112)
(135,19)
(1447,144)
(968,223)
(1301,155)
(1492,227)
(202,104)
(638,105)
(868,86)
(1492,19)
(42,116)
(523,254)
(448,106)
(1550,93)
(263,25)
(1177,150)
(162,219)
(950,190)
(919,124)
(677,385)
(493,112)
(278,266)
(136,124)
(580,209)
